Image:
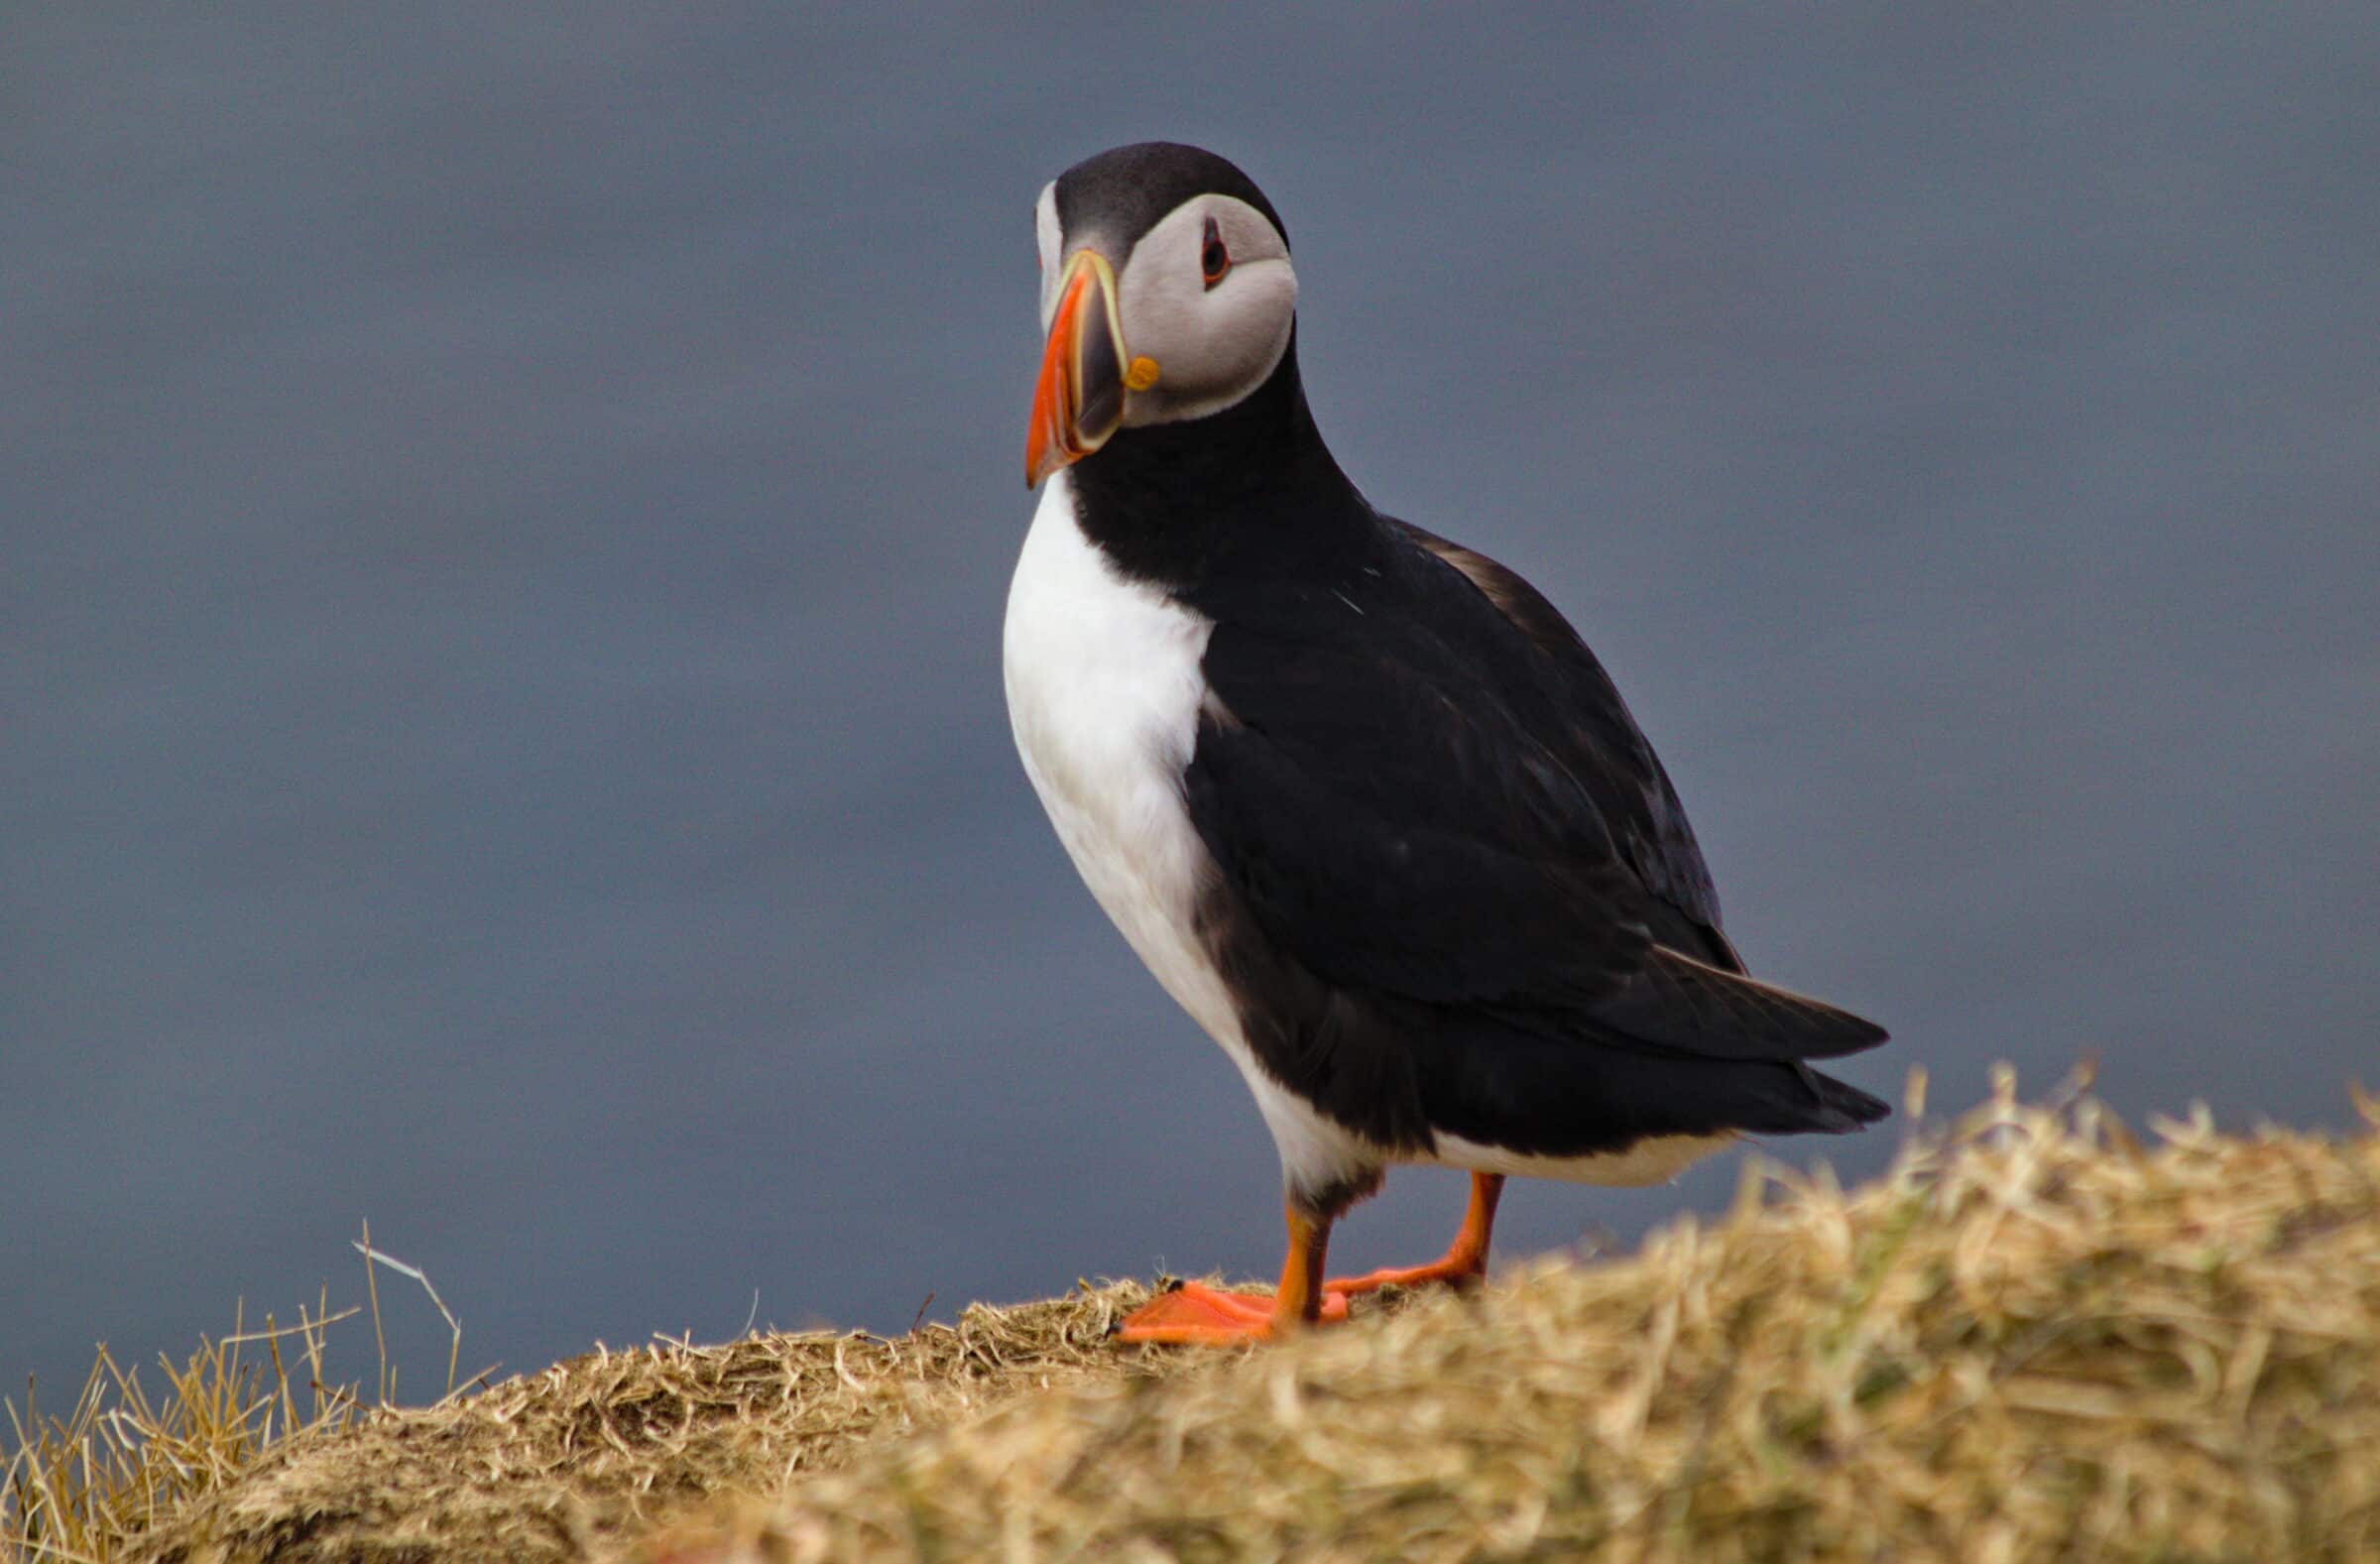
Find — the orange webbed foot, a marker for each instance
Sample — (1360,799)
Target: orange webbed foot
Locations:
(1457,1272)
(1195,1316)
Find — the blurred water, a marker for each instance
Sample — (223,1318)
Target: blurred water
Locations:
(506,517)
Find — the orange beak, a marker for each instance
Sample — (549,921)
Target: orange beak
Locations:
(1078,401)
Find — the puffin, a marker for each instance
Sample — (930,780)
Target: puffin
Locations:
(1358,796)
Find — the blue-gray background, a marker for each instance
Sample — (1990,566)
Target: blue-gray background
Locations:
(507,513)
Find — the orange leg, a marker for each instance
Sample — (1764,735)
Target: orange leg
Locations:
(1195,1314)
(1464,1261)
(1198,1315)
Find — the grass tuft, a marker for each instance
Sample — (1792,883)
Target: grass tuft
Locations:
(94,1483)
(82,1486)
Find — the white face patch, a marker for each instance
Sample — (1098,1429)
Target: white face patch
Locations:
(1047,238)
(1213,341)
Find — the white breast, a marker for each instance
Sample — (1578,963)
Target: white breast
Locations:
(1104,689)
(1104,694)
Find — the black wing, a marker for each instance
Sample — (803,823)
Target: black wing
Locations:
(1409,795)
(1612,754)
(1403,836)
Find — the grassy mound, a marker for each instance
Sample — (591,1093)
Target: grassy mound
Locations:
(2035,1337)
(568,1463)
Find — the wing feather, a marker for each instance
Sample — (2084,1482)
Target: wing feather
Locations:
(1430,795)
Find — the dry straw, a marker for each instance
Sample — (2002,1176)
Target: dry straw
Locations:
(560,1465)
(2032,1338)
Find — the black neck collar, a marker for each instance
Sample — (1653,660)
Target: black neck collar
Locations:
(1250,491)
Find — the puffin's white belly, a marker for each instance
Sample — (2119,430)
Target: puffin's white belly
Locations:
(1104,692)
(1104,689)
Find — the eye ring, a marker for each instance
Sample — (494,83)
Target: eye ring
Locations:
(1214,260)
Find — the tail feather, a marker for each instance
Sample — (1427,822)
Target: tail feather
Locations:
(1842,1107)
(1677,1001)
(1496,1084)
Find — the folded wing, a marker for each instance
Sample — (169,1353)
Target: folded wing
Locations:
(1433,820)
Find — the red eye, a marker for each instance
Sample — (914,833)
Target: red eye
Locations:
(1213,259)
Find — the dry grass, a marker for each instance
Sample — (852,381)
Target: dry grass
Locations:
(78,1486)
(2032,1338)
(558,1465)
(549,1466)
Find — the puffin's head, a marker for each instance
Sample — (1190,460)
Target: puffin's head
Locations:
(1166,292)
